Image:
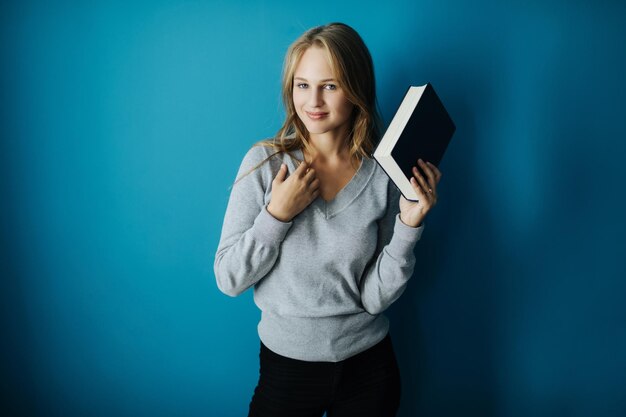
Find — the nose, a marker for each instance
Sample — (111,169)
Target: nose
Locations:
(316,98)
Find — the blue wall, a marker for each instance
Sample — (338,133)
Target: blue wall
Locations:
(123,126)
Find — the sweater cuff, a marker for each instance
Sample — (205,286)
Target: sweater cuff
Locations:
(268,229)
(404,238)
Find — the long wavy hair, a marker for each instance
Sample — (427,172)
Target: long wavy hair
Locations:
(352,66)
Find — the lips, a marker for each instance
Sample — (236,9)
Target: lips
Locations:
(316,115)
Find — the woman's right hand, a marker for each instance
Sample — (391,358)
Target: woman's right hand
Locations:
(292,195)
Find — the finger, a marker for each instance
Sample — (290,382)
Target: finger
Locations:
(310,175)
(429,173)
(435,170)
(421,181)
(315,184)
(434,196)
(432,192)
(282,173)
(428,192)
(421,194)
(301,170)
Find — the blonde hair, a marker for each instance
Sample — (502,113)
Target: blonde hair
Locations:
(353,68)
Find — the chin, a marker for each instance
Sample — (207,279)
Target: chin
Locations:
(317,131)
(317,127)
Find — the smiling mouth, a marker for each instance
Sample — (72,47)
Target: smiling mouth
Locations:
(316,116)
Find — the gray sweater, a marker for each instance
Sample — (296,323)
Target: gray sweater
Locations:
(323,279)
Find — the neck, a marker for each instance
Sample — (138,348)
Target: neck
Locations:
(329,146)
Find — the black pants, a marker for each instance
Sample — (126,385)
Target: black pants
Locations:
(367,384)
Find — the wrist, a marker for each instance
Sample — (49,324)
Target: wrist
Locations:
(277,215)
(410,224)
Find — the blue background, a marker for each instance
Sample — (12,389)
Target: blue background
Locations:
(123,126)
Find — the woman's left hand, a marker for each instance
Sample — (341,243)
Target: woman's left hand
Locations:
(412,213)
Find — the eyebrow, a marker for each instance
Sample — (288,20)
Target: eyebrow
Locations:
(322,81)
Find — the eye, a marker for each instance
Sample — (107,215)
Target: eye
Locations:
(330,87)
(302,85)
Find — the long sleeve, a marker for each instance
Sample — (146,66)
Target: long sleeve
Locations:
(386,278)
(251,237)
(321,280)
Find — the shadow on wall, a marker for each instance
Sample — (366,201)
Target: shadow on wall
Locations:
(443,326)
(492,319)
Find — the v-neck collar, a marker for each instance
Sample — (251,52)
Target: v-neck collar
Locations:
(347,194)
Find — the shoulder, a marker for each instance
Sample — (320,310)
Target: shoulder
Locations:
(383,183)
(257,153)
(381,178)
(261,161)
(264,149)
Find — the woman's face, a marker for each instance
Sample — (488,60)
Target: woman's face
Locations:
(319,101)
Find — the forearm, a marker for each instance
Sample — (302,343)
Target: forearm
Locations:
(385,280)
(244,259)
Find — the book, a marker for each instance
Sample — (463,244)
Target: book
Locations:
(421,128)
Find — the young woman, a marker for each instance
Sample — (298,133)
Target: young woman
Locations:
(313,224)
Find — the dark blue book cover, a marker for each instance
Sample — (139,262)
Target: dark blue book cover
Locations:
(423,131)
